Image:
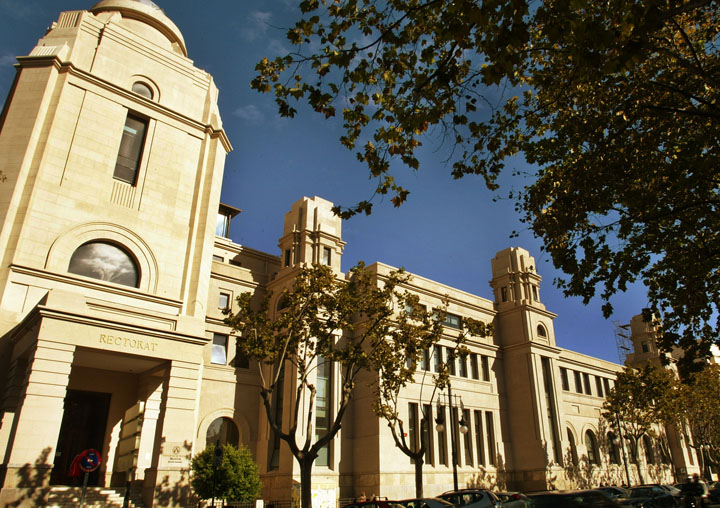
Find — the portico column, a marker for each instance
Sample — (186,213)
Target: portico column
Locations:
(34,437)
(151,391)
(173,449)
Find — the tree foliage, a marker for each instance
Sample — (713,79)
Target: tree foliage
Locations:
(235,479)
(640,403)
(615,102)
(355,323)
(428,325)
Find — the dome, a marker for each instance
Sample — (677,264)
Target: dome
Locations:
(147,12)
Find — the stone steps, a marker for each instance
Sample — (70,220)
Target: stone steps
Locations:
(95,497)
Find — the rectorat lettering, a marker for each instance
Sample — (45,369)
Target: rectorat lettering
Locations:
(128,342)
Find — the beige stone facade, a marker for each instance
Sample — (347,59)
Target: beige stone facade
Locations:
(116,267)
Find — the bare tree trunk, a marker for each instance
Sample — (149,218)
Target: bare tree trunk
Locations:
(418,477)
(306,464)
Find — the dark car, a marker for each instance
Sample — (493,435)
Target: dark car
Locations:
(375,503)
(513,499)
(571,499)
(613,492)
(425,502)
(714,493)
(650,496)
(471,498)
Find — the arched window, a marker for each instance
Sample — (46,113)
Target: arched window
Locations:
(591,446)
(541,332)
(223,431)
(105,261)
(573,448)
(142,89)
(649,453)
(613,448)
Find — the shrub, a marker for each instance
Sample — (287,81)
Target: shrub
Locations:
(237,477)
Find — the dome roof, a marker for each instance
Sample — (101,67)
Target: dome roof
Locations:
(146,11)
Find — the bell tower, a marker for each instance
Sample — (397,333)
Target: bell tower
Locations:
(312,235)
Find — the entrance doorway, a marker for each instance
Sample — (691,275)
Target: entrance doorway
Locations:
(83,426)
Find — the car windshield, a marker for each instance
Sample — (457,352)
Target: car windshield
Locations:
(641,492)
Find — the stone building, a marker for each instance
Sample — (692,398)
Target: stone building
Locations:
(116,266)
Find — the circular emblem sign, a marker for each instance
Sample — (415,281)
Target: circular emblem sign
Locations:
(90,460)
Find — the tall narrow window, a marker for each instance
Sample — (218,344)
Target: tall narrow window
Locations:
(490,437)
(474,366)
(462,366)
(564,379)
(287,257)
(427,435)
(599,386)
(451,361)
(438,358)
(326,256)
(322,408)
(442,437)
(219,349)
(606,385)
(613,448)
(588,386)
(573,448)
(425,362)
(550,407)
(503,294)
(413,428)
(467,437)
(535,294)
(479,438)
(131,148)
(485,368)
(649,453)
(578,382)
(591,447)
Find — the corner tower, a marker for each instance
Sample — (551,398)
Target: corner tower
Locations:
(113,152)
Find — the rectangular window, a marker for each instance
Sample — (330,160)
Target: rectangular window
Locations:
(535,293)
(485,368)
(490,436)
(451,361)
(474,366)
(467,437)
(503,294)
(438,358)
(564,379)
(322,408)
(645,347)
(326,256)
(287,257)
(219,349)
(479,438)
(606,385)
(413,443)
(222,226)
(218,258)
(131,148)
(442,438)
(578,382)
(425,365)
(453,321)
(462,366)
(427,436)
(599,386)
(224,301)
(588,386)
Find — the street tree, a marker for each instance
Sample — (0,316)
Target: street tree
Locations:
(614,103)
(392,381)
(235,478)
(352,324)
(638,406)
(698,414)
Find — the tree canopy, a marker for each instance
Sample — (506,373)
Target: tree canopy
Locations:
(614,102)
(236,478)
(354,325)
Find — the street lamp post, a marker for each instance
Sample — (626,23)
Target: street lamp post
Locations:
(453,437)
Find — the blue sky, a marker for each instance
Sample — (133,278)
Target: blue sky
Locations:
(447,231)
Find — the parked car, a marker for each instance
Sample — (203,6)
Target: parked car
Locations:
(513,499)
(714,493)
(471,498)
(571,499)
(691,487)
(613,492)
(650,496)
(378,502)
(426,502)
